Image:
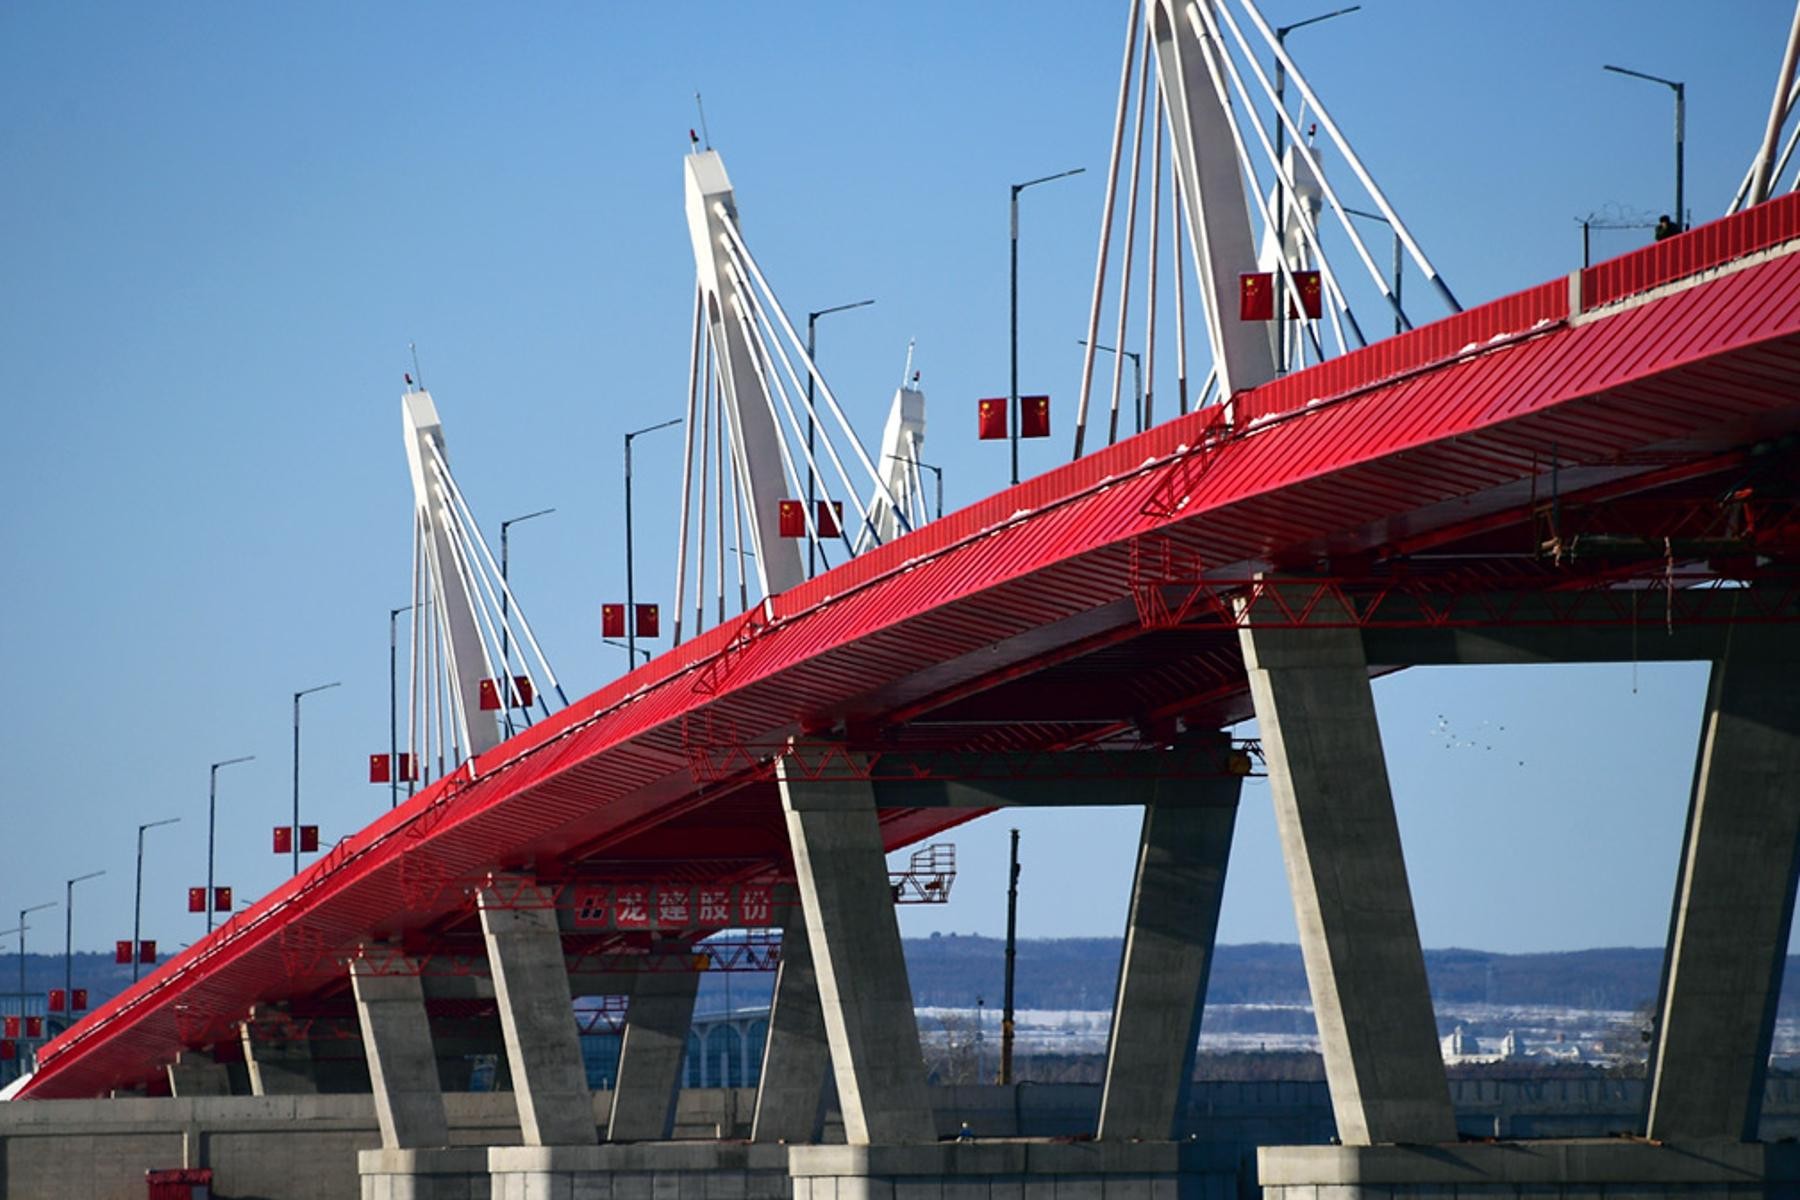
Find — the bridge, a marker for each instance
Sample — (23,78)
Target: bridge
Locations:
(1602,467)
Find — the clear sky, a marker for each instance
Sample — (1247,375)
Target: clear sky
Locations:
(221,225)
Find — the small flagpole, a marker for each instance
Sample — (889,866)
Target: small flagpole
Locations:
(703,133)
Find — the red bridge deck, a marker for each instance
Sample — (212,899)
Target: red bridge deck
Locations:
(1031,620)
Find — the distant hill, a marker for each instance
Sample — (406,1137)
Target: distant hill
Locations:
(951,970)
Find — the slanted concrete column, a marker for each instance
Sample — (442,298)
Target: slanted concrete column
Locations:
(1182,855)
(1335,814)
(194,1073)
(790,1095)
(537,1015)
(652,1053)
(278,1055)
(863,990)
(403,1071)
(1734,897)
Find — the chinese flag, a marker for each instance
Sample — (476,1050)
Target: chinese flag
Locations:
(1256,296)
(197,899)
(284,839)
(1312,295)
(34,1027)
(793,519)
(221,899)
(78,1000)
(408,772)
(522,688)
(12,1027)
(831,518)
(993,419)
(147,951)
(649,620)
(9,1049)
(1034,416)
(612,620)
(59,1000)
(121,954)
(490,696)
(309,839)
(380,769)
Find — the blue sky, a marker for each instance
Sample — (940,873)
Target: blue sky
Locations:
(221,225)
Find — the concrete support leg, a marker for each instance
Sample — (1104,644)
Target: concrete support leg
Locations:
(194,1073)
(855,937)
(1341,842)
(790,1095)
(1734,901)
(652,1053)
(537,1015)
(409,1104)
(278,1055)
(1168,955)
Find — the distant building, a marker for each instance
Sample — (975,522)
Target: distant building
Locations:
(723,1050)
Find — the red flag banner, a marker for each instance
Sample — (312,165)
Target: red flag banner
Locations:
(490,696)
(197,899)
(523,694)
(147,950)
(649,621)
(1034,416)
(121,952)
(612,620)
(309,839)
(221,899)
(992,419)
(12,1027)
(793,519)
(1256,296)
(78,1000)
(284,839)
(1312,294)
(830,519)
(408,772)
(59,1000)
(34,1027)
(380,768)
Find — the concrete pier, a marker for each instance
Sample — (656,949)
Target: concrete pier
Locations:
(409,1103)
(790,1096)
(194,1073)
(1734,901)
(652,1053)
(1182,855)
(278,1055)
(531,984)
(1335,814)
(855,939)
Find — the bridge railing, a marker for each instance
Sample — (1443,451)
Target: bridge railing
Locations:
(1699,249)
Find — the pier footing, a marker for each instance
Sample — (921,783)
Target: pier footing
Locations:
(1588,1169)
(1016,1170)
(639,1171)
(452,1173)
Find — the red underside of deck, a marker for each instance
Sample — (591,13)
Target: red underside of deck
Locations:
(1010,624)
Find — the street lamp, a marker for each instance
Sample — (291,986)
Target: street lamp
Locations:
(1137,373)
(137,901)
(630,590)
(938,471)
(1680,90)
(629,651)
(1281,197)
(69,941)
(212,804)
(812,491)
(505,609)
(394,703)
(1399,325)
(1012,411)
(23,913)
(296,839)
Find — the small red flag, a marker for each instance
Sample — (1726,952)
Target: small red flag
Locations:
(523,693)
(793,519)
(284,839)
(379,768)
(992,423)
(197,899)
(9,1049)
(34,1027)
(612,620)
(490,696)
(12,1027)
(147,951)
(121,952)
(408,772)
(78,1000)
(649,621)
(831,518)
(1312,294)
(1034,416)
(309,839)
(59,1000)
(221,899)
(1256,296)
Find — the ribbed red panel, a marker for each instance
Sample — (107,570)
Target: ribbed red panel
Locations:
(1699,249)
